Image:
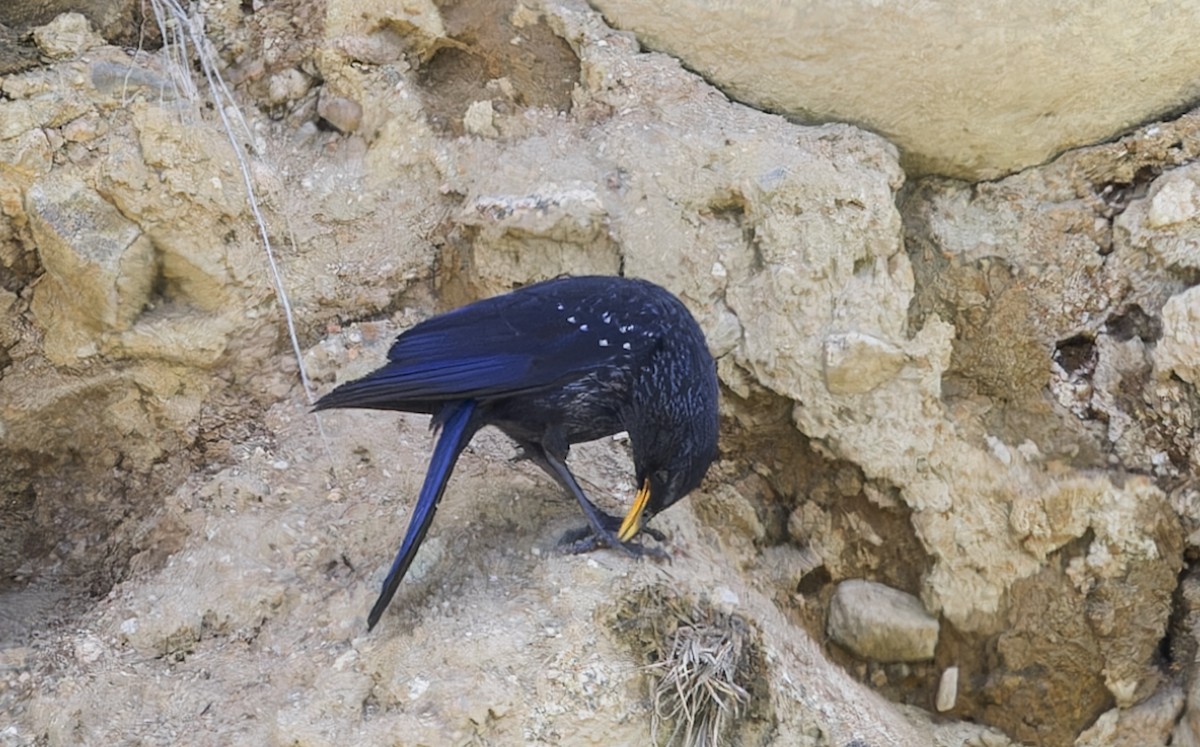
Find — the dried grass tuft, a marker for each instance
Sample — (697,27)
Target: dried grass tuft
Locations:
(697,671)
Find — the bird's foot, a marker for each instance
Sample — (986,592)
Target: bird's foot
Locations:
(585,539)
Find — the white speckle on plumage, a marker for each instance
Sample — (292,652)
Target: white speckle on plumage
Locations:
(603,343)
(627,346)
(571,319)
(560,307)
(583,328)
(606,318)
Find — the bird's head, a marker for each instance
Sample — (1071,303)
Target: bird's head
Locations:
(669,463)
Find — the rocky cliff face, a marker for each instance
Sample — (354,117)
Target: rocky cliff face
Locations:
(979,397)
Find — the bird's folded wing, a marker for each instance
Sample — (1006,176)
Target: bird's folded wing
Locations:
(499,347)
(431,381)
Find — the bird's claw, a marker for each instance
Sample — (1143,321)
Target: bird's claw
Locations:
(585,539)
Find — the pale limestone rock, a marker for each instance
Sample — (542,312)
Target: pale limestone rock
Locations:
(1178,351)
(480,119)
(68,35)
(880,623)
(857,363)
(1019,266)
(361,25)
(973,92)
(81,130)
(947,692)
(288,85)
(780,238)
(177,336)
(1167,223)
(1125,430)
(16,118)
(89,649)
(344,114)
(554,228)
(29,153)
(1187,727)
(199,606)
(102,264)
(952,733)
(1173,202)
(1150,722)
(111,18)
(45,110)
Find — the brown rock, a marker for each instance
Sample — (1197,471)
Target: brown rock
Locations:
(343,114)
(101,263)
(68,35)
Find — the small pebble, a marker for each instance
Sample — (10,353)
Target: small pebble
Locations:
(80,130)
(289,85)
(68,35)
(341,113)
(947,693)
(480,119)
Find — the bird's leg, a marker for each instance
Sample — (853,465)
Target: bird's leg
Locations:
(533,452)
(601,531)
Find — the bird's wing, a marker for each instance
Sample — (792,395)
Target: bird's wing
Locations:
(504,346)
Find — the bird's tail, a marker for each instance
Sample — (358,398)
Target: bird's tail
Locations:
(455,421)
(382,389)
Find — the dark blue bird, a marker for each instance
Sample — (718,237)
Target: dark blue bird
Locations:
(552,364)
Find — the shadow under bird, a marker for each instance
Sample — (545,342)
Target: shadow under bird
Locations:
(552,364)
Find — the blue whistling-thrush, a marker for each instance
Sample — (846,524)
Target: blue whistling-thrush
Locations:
(551,364)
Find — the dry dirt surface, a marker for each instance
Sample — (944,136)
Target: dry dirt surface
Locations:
(979,397)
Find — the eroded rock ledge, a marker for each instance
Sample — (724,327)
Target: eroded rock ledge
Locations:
(982,395)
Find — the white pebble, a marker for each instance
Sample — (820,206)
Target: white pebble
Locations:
(947,692)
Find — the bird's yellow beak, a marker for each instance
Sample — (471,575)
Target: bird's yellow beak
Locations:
(633,519)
